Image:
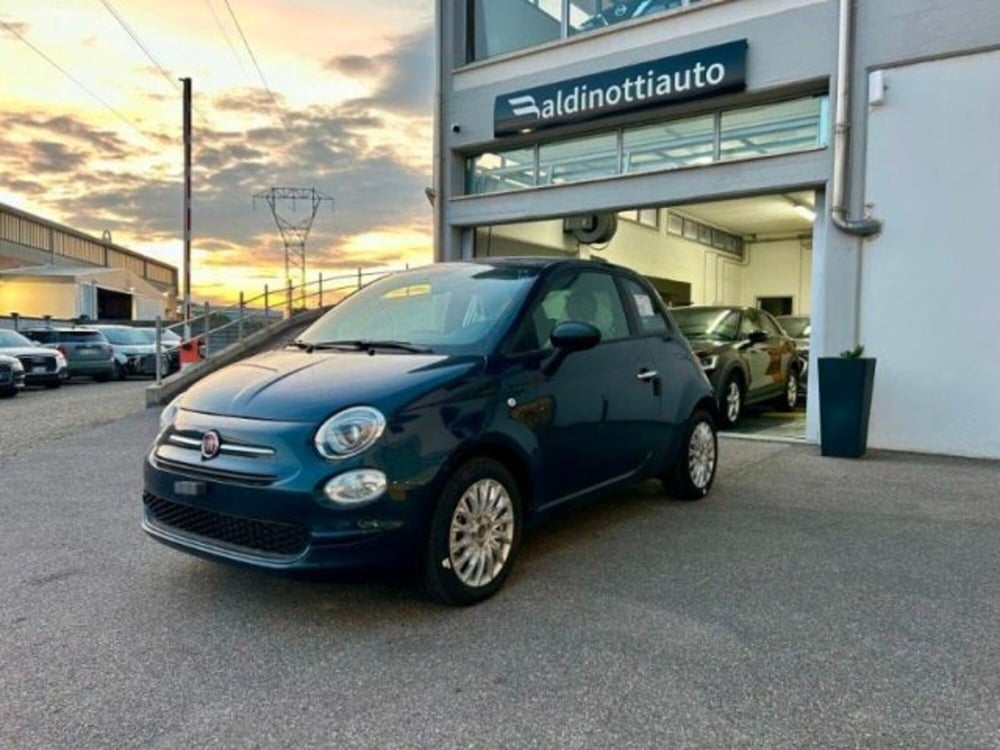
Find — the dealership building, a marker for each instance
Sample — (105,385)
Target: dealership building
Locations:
(832,158)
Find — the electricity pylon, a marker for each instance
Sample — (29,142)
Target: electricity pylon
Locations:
(294,229)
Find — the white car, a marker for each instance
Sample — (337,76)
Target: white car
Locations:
(42,365)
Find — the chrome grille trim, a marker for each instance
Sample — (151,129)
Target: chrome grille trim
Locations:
(233,449)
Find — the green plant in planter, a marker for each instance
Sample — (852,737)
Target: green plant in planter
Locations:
(845,396)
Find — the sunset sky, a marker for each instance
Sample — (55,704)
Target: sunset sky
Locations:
(349,112)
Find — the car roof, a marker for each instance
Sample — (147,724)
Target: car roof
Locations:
(541,262)
(63,329)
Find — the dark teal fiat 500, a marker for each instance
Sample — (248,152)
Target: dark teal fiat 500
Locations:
(425,419)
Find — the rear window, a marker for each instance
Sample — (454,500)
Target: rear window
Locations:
(88,336)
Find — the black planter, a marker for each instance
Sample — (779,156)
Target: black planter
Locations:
(845,399)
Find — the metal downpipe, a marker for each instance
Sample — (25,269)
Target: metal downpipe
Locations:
(839,212)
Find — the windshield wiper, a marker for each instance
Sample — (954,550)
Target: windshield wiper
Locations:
(366,345)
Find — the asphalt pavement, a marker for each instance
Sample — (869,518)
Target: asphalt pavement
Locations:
(808,602)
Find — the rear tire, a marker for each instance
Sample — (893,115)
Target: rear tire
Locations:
(790,396)
(52,385)
(730,400)
(475,534)
(692,476)
(104,377)
(9,394)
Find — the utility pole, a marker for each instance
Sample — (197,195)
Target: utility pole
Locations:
(187,207)
(294,229)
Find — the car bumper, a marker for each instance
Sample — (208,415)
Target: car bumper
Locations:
(282,528)
(94,367)
(47,377)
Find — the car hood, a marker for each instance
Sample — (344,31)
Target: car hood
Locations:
(709,345)
(299,386)
(27,351)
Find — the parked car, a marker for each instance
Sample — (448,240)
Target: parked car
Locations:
(799,327)
(427,417)
(170,344)
(42,366)
(11,376)
(746,355)
(86,350)
(134,353)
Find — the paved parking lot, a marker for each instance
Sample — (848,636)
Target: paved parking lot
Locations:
(38,415)
(809,602)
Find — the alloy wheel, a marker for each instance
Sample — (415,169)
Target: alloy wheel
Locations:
(701,455)
(733,401)
(481,533)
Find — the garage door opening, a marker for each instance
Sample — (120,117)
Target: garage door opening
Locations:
(746,259)
(112,305)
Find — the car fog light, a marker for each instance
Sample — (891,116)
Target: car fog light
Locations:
(355,487)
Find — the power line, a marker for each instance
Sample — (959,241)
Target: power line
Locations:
(71,77)
(147,52)
(135,38)
(225,35)
(260,72)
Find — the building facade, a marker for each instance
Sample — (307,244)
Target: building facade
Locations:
(832,158)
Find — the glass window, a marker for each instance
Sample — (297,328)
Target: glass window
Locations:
(707,322)
(501,26)
(649,217)
(451,309)
(588,297)
(682,143)
(585,15)
(750,323)
(504,170)
(770,327)
(648,312)
(771,129)
(578,159)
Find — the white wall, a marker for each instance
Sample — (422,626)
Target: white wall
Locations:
(930,307)
(774,269)
(780,269)
(38,297)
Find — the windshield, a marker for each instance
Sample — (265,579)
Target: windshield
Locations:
(12,338)
(796,327)
(125,336)
(451,308)
(708,322)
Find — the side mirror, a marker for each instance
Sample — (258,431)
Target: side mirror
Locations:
(568,337)
(757,337)
(574,336)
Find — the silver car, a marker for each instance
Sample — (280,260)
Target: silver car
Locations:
(42,366)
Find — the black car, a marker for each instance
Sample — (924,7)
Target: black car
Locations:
(746,355)
(11,376)
(86,350)
(42,366)
(425,419)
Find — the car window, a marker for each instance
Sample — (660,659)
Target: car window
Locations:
(12,338)
(42,336)
(770,327)
(648,313)
(707,322)
(749,324)
(588,296)
(124,336)
(81,336)
(453,308)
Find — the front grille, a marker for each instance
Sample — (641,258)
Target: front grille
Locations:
(267,537)
(30,362)
(207,471)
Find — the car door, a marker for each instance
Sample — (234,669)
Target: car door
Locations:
(757,355)
(781,349)
(671,363)
(580,411)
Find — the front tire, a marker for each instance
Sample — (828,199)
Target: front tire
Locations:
(694,473)
(474,535)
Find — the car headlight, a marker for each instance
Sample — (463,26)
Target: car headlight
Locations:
(356,487)
(60,360)
(349,432)
(709,361)
(16,366)
(169,413)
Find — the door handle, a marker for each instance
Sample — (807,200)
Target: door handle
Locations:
(647,374)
